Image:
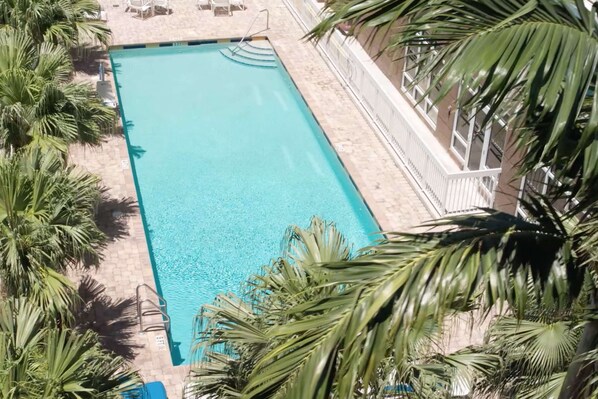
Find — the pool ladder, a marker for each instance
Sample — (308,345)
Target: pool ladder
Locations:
(152,314)
(238,46)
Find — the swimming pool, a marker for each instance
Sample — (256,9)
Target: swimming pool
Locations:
(225,156)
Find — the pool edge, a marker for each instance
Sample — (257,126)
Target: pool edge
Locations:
(122,115)
(190,42)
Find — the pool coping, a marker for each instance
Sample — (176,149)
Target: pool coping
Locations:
(190,42)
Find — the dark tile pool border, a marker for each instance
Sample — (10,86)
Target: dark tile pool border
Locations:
(185,43)
(334,151)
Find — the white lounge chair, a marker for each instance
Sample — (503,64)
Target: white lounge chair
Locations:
(240,4)
(140,6)
(204,3)
(100,15)
(221,4)
(165,4)
(106,94)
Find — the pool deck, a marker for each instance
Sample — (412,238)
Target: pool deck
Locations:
(386,189)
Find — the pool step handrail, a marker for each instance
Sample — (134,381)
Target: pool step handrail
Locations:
(233,51)
(155,307)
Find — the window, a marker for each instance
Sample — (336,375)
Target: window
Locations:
(478,148)
(542,181)
(417,92)
(460,139)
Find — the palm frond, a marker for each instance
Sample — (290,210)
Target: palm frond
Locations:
(39,361)
(46,225)
(390,293)
(532,63)
(37,103)
(231,333)
(63,22)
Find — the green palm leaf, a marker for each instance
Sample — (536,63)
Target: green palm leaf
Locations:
(231,333)
(42,362)
(392,293)
(530,62)
(64,22)
(38,104)
(541,347)
(46,224)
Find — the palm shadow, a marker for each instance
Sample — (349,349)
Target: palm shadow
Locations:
(112,216)
(112,319)
(136,151)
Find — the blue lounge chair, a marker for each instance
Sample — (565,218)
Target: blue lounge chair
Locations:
(398,390)
(151,390)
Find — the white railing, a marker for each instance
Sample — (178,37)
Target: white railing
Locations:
(448,192)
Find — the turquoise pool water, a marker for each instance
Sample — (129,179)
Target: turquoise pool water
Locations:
(225,157)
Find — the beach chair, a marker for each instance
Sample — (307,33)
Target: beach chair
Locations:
(240,4)
(163,4)
(140,6)
(225,4)
(106,94)
(203,3)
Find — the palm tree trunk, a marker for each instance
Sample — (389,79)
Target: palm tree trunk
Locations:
(579,371)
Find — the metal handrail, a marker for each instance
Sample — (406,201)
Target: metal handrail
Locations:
(161,306)
(166,318)
(237,47)
(160,298)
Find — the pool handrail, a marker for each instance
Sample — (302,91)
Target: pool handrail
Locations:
(161,307)
(237,47)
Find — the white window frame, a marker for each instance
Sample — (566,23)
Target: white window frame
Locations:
(467,142)
(519,211)
(545,184)
(425,105)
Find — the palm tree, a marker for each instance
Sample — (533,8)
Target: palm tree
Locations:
(64,22)
(234,341)
(535,348)
(230,336)
(482,261)
(37,101)
(46,362)
(46,225)
(534,356)
(532,63)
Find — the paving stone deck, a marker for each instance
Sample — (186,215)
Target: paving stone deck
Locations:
(394,202)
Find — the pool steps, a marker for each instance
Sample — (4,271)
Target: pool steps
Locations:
(253,54)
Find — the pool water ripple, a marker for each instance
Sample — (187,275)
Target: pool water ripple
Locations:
(226,157)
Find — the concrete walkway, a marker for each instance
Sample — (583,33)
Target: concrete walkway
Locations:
(126,263)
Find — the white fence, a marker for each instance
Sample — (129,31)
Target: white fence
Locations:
(448,192)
